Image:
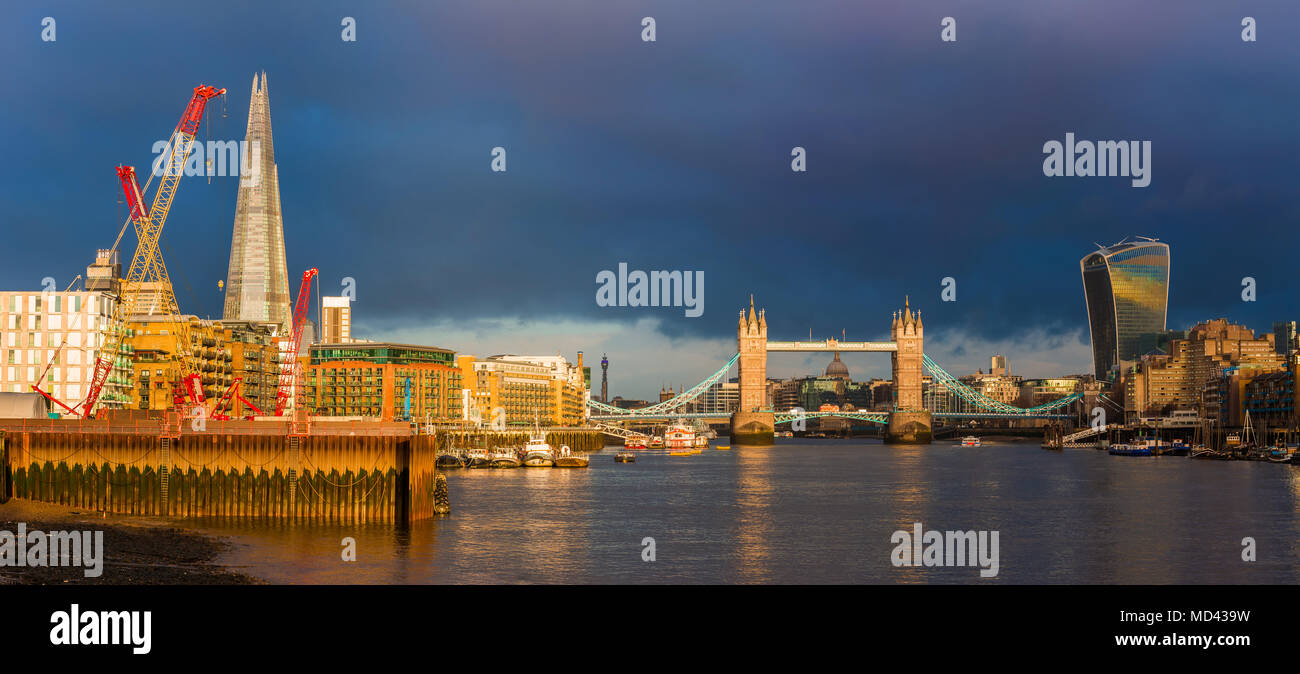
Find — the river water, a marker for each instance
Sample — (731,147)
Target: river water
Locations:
(817,511)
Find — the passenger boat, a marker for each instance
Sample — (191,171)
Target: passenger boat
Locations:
(538,454)
(971,441)
(701,442)
(505,457)
(656,442)
(1175,448)
(478,458)
(568,459)
(625,457)
(1142,447)
(679,436)
(634,442)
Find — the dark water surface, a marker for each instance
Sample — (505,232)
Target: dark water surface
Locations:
(818,511)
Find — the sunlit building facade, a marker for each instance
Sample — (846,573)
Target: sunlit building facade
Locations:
(1126,287)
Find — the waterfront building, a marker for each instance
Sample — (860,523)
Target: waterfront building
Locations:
(336,320)
(1272,399)
(1162,383)
(1126,291)
(368,380)
(218,352)
(998,366)
(542,389)
(33,326)
(257,284)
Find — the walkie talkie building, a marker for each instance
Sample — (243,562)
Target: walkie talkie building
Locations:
(1126,287)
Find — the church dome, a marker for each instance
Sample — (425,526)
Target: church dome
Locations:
(837,369)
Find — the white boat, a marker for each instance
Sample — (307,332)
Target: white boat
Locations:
(679,436)
(478,458)
(538,454)
(505,457)
(970,441)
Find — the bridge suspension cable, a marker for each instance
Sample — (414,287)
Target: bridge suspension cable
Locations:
(674,402)
(974,397)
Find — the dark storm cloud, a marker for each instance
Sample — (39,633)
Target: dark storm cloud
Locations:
(924,158)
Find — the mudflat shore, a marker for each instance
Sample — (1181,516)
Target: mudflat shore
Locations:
(136,550)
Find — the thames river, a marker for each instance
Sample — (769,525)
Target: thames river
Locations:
(817,511)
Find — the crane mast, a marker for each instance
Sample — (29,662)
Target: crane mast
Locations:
(147,267)
(290,370)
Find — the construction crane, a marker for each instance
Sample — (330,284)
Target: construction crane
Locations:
(55,358)
(290,370)
(147,268)
(221,410)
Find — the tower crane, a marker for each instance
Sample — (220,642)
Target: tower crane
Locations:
(290,370)
(147,265)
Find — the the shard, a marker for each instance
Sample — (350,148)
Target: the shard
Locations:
(257,285)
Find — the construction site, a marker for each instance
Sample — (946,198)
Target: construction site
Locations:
(188,417)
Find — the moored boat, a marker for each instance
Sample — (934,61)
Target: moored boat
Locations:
(449,461)
(1203,452)
(538,454)
(679,436)
(634,442)
(505,457)
(656,442)
(478,458)
(971,441)
(567,458)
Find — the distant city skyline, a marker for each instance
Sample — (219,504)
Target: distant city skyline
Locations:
(676,155)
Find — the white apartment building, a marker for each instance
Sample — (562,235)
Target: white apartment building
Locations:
(33,327)
(336,320)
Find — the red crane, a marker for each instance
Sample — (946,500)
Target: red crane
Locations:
(221,411)
(290,370)
(147,264)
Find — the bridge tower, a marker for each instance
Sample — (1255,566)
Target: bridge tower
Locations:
(749,425)
(910,422)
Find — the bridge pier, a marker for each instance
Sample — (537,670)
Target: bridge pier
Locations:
(910,428)
(753,428)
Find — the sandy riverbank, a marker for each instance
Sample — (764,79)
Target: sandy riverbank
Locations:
(137,550)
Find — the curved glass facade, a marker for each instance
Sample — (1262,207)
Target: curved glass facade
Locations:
(1126,287)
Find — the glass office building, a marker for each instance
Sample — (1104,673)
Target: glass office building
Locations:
(1126,287)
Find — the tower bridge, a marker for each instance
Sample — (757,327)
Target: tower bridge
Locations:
(910,420)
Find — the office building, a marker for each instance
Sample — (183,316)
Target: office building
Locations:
(1126,291)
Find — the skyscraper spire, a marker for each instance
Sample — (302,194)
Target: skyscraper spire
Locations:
(257,284)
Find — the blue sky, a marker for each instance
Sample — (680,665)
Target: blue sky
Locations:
(924,162)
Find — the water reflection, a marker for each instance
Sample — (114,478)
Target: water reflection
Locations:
(816,512)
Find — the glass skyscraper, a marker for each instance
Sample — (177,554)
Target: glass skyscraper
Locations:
(1126,287)
(257,285)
